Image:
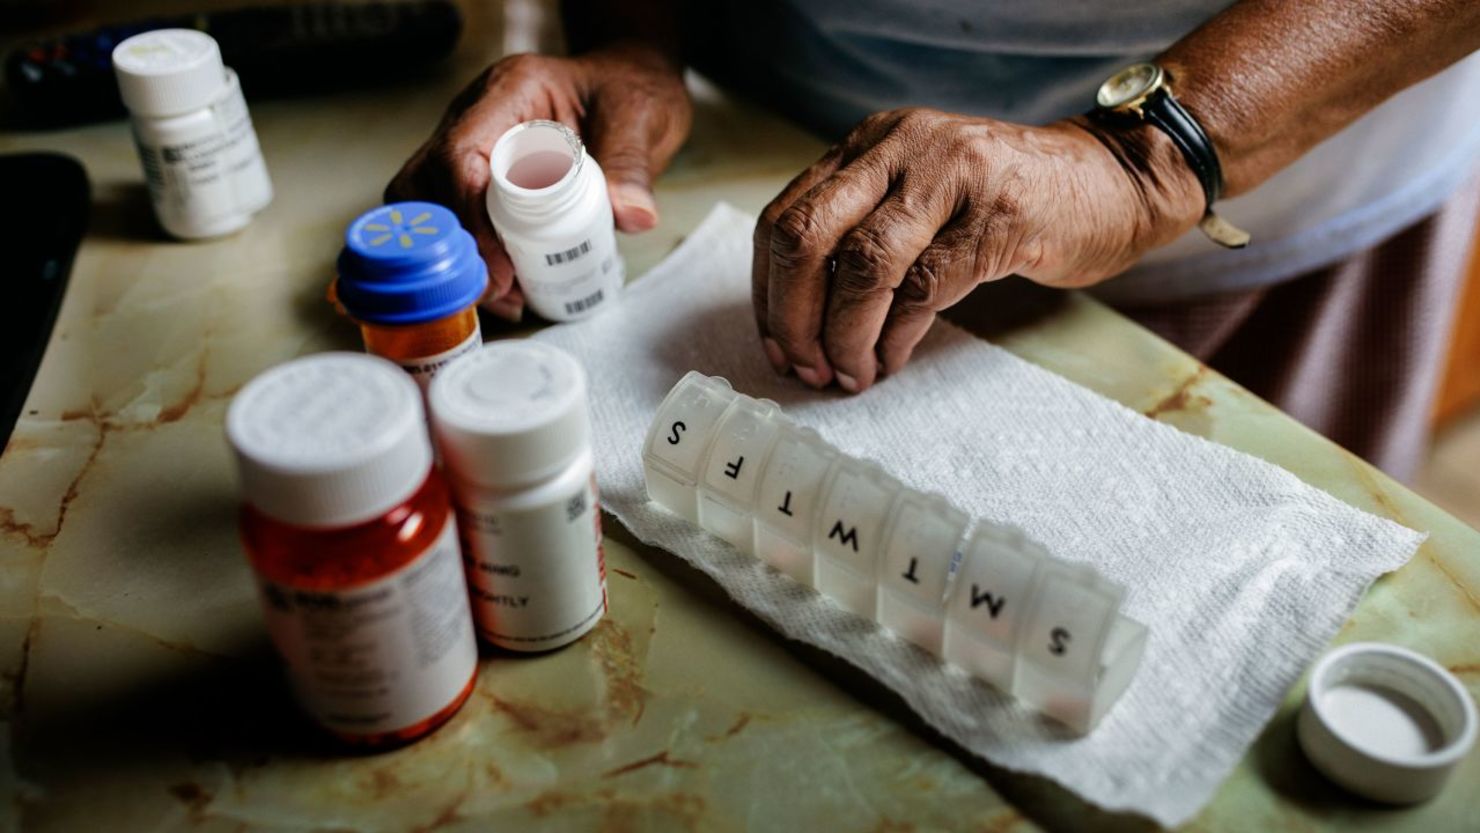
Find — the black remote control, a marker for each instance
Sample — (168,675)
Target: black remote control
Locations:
(275,50)
(41,226)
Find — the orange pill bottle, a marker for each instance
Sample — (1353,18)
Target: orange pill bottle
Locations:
(349,530)
(411,277)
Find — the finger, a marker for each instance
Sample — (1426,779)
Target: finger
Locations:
(943,274)
(802,243)
(509,307)
(760,259)
(633,136)
(451,168)
(871,261)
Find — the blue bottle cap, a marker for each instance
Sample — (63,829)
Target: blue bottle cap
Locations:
(409,262)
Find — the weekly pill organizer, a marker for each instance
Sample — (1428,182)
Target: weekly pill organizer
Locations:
(988,598)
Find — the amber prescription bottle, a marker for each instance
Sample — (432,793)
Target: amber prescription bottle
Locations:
(411,277)
(350,532)
(515,434)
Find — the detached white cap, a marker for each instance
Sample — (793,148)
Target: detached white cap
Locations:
(1385,722)
(511,413)
(329,440)
(168,71)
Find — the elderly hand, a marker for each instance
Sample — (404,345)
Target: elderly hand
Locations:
(916,207)
(626,101)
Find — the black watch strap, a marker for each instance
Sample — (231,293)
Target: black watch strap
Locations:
(1167,113)
(1163,111)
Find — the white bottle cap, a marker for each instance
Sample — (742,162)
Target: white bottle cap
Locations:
(510,413)
(329,440)
(1385,722)
(168,71)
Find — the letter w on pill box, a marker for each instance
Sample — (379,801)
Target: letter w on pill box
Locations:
(995,603)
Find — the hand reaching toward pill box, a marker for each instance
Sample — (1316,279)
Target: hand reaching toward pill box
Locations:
(916,207)
(627,101)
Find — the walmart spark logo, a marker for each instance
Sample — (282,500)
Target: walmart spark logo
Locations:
(399,230)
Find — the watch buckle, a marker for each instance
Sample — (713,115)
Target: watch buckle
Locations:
(1222,232)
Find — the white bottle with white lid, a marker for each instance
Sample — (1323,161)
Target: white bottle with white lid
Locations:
(515,435)
(548,201)
(194,135)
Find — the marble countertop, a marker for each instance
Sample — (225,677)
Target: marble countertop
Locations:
(138,691)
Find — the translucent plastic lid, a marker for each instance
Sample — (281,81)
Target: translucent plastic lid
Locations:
(329,440)
(510,413)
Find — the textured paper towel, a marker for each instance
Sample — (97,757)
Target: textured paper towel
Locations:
(1242,571)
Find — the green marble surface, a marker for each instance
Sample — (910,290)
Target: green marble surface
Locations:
(137,688)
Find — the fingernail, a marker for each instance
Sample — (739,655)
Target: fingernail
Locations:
(774,355)
(808,375)
(634,208)
(849,383)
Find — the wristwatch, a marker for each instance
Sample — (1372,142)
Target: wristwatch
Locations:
(1144,92)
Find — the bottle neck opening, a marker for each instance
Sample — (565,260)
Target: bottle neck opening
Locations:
(536,168)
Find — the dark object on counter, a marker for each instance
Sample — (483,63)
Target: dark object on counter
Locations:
(275,50)
(41,224)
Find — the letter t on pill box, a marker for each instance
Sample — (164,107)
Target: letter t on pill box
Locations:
(921,543)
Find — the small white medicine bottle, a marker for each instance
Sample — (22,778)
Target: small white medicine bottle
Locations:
(195,138)
(512,424)
(548,201)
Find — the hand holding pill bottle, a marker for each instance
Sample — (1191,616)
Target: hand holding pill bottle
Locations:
(548,201)
(993,602)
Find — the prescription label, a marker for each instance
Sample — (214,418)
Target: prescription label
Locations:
(382,656)
(536,572)
(424,368)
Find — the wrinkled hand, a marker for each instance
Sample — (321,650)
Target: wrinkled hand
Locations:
(627,102)
(913,209)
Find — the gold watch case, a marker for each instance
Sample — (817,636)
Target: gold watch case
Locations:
(1128,89)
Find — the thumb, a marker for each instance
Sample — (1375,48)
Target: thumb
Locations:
(626,154)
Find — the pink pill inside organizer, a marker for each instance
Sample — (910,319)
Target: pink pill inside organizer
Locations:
(540,169)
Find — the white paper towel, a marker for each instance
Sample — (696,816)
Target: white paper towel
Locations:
(1241,571)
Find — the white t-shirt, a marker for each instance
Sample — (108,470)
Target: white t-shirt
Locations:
(829,63)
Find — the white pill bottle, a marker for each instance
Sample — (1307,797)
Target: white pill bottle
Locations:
(512,423)
(195,138)
(547,199)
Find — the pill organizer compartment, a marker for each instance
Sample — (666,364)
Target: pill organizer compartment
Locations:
(786,502)
(924,535)
(1077,653)
(990,602)
(849,534)
(1045,630)
(678,438)
(730,473)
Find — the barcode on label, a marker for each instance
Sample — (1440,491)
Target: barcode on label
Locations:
(568,255)
(573,307)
